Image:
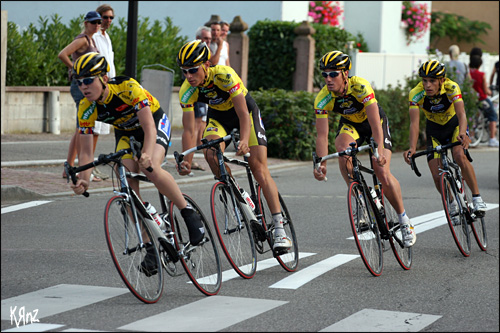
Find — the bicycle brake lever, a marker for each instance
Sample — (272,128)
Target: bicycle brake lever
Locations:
(136,150)
(69,172)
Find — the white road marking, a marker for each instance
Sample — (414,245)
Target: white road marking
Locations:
(35,327)
(61,298)
(23,206)
(370,320)
(307,274)
(210,314)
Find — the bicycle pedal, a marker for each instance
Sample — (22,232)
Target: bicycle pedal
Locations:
(479,214)
(280,251)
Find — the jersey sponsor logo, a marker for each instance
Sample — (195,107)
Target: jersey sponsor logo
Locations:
(361,90)
(122,107)
(87,113)
(348,129)
(437,108)
(212,94)
(346,104)
(187,95)
(435,100)
(234,89)
(418,96)
(368,98)
(261,136)
(216,101)
(459,96)
(225,79)
(84,123)
(387,141)
(349,111)
(212,129)
(324,101)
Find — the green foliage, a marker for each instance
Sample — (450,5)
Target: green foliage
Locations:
(290,123)
(32,54)
(271,58)
(457,28)
(328,39)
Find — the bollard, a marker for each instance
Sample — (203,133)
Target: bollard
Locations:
(54,109)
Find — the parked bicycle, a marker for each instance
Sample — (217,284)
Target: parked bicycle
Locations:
(479,128)
(131,231)
(244,225)
(455,190)
(373,219)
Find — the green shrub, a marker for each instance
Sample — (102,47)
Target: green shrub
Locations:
(32,54)
(290,122)
(271,58)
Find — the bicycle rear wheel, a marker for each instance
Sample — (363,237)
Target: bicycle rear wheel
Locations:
(403,254)
(458,222)
(201,262)
(364,228)
(233,230)
(478,225)
(126,252)
(290,259)
(477,129)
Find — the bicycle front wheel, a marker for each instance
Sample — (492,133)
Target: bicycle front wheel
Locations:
(477,129)
(201,262)
(403,254)
(233,230)
(478,225)
(457,221)
(289,260)
(125,248)
(365,229)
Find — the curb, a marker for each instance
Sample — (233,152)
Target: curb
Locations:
(18,193)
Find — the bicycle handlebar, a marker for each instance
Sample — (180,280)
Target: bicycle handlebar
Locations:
(206,144)
(135,149)
(437,149)
(353,151)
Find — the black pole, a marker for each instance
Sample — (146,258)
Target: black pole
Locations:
(131,55)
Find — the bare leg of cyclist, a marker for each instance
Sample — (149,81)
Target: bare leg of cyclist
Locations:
(467,169)
(391,186)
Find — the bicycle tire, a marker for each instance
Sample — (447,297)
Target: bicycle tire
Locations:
(367,236)
(478,225)
(201,262)
(404,255)
(477,129)
(289,260)
(124,246)
(235,239)
(460,228)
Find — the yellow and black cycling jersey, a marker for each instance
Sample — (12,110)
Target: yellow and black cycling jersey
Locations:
(221,85)
(126,97)
(439,109)
(351,106)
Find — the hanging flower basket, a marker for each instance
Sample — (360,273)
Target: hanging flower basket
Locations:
(415,19)
(325,12)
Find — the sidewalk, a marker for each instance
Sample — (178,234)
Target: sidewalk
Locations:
(39,177)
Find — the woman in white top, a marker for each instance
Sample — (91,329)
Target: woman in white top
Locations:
(224,53)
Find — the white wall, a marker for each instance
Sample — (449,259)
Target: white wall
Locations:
(294,10)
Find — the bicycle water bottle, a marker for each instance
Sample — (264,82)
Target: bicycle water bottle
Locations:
(247,198)
(376,199)
(151,210)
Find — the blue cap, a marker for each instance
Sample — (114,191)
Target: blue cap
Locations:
(92,16)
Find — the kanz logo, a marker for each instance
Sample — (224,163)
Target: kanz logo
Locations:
(368,98)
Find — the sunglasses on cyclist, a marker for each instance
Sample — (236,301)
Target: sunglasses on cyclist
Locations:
(86,80)
(191,70)
(95,22)
(108,17)
(330,74)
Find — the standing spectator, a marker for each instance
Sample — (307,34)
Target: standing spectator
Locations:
(105,47)
(224,53)
(496,70)
(456,66)
(83,43)
(216,44)
(481,86)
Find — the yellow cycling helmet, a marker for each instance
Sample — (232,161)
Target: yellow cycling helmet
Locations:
(193,54)
(90,64)
(432,68)
(335,60)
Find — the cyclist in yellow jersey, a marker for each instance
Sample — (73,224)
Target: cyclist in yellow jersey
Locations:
(133,111)
(440,99)
(361,118)
(229,106)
